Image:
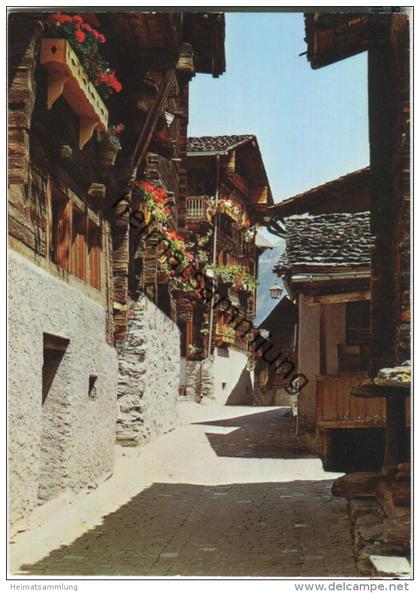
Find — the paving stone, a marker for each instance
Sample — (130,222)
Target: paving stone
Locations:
(287,529)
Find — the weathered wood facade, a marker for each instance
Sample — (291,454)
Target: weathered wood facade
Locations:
(327,267)
(98,103)
(386,37)
(227,195)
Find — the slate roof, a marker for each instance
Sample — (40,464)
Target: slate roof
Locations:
(328,241)
(216,143)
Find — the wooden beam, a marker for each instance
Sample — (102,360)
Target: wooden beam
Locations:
(238,182)
(260,195)
(344,297)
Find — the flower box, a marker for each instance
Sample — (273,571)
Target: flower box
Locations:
(225,337)
(67,77)
(228,207)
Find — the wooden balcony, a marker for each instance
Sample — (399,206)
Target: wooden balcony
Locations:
(67,77)
(196,209)
(337,408)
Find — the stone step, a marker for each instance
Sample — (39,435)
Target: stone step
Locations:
(391,566)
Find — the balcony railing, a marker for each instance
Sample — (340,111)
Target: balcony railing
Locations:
(196,207)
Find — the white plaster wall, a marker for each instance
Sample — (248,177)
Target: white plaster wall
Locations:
(230,367)
(149,375)
(335,330)
(80,449)
(308,361)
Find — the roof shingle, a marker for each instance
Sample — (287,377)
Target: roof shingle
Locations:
(339,240)
(216,143)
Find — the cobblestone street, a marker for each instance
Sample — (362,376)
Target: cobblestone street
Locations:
(231,492)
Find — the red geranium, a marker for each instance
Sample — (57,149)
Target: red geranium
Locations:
(80,36)
(59,19)
(108,79)
(78,32)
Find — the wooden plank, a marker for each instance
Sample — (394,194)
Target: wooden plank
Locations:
(334,402)
(344,297)
(367,423)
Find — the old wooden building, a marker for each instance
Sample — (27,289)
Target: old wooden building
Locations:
(327,266)
(227,195)
(98,106)
(386,37)
(153,262)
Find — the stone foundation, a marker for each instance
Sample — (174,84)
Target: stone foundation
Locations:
(380,514)
(199,379)
(149,375)
(67,442)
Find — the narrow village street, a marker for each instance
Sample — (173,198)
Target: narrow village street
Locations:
(230,492)
(209,293)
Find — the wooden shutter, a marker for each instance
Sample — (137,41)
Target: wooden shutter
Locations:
(94,254)
(78,244)
(60,229)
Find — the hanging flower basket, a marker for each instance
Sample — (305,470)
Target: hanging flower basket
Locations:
(67,77)
(110,145)
(108,155)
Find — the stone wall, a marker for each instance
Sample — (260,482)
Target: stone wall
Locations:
(149,375)
(199,379)
(67,443)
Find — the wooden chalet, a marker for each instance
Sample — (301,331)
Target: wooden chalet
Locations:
(327,267)
(98,103)
(227,196)
(385,35)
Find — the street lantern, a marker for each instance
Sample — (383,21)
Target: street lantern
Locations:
(276,291)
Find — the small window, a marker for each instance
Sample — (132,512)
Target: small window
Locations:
(94,253)
(54,350)
(92,386)
(78,244)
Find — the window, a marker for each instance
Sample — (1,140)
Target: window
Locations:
(75,238)
(78,244)
(60,230)
(226,225)
(354,354)
(92,386)
(94,251)
(357,322)
(54,350)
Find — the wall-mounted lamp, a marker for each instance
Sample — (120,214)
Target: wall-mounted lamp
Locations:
(276,291)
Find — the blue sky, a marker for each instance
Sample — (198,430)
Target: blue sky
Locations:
(311,125)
